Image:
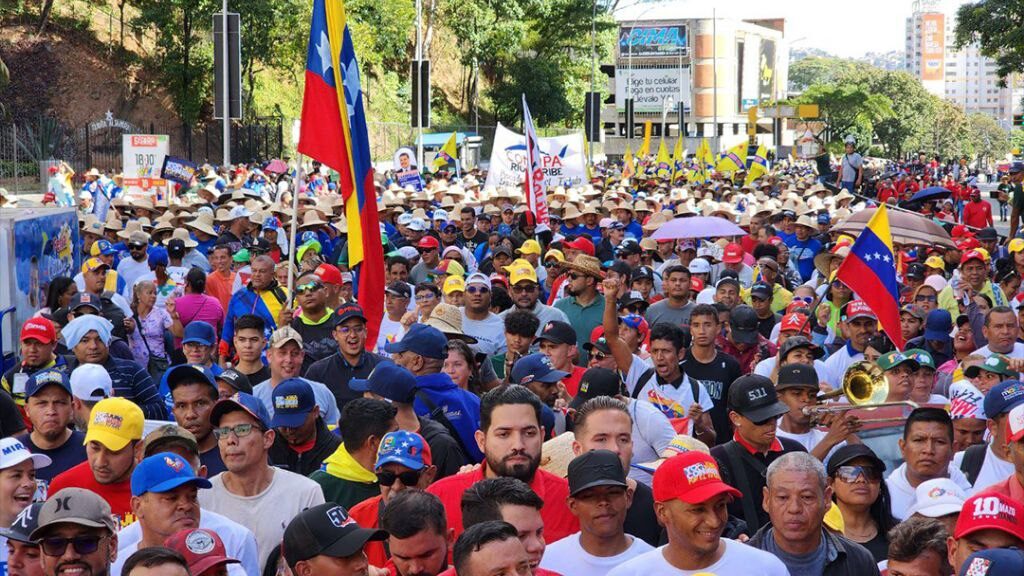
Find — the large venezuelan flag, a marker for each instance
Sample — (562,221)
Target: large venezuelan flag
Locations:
(334,132)
(870,271)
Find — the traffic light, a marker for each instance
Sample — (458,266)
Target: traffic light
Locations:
(1018,119)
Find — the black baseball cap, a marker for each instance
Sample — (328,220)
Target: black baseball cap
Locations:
(797,376)
(176,248)
(915,270)
(852,452)
(641,272)
(325,530)
(619,267)
(595,468)
(237,380)
(754,397)
(794,342)
(351,310)
(85,299)
(596,382)
(761,289)
(558,332)
(24,524)
(398,288)
(743,321)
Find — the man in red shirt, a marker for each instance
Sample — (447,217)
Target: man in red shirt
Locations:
(113,447)
(977,213)
(510,437)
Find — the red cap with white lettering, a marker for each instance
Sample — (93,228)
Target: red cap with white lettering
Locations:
(990,511)
(692,477)
(38,328)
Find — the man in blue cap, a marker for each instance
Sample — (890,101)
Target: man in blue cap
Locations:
(422,352)
(936,339)
(164,501)
(398,386)
(539,375)
(307,440)
(199,343)
(993,561)
(989,463)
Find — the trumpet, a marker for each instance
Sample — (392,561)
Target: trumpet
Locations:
(865,387)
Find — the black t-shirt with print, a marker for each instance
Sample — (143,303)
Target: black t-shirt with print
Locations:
(473,241)
(716,377)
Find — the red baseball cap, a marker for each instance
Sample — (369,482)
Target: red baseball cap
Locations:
(329,274)
(583,244)
(972,255)
(733,253)
(967,243)
(692,477)
(428,242)
(990,511)
(859,309)
(775,240)
(202,549)
(38,328)
(696,284)
(795,322)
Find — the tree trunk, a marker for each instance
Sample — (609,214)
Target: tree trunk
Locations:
(44,17)
(120,8)
(186,43)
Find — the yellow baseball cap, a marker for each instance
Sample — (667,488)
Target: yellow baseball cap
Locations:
(114,422)
(529,247)
(935,261)
(454,284)
(521,270)
(556,254)
(1016,245)
(93,264)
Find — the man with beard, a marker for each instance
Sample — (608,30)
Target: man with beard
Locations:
(165,500)
(418,534)
(690,500)
(113,447)
(582,304)
(510,436)
(49,409)
(526,294)
(77,533)
(599,497)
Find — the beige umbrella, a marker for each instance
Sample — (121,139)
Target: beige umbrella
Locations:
(906,228)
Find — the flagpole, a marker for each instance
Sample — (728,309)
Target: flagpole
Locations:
(296,182)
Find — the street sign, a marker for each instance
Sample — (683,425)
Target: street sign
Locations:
(142,161)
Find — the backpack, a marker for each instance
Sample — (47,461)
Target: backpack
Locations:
(974,457)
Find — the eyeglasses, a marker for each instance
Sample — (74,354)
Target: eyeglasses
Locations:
(849,474)
(239,430)
(477,289)
(575,276)
(308,287)
(551,263)
(55,545)
(425,250)
(925,298)
(410,478)
(524,288)
(807,299)
(425,296)
(346,330)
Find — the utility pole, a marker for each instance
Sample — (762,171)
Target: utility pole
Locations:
(226,108)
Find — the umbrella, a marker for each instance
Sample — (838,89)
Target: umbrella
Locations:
(277,166)
(931,193)
(697,227)
(906,227)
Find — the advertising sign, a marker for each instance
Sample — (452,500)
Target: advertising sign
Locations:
(179,170)
(651,87)
(933,46)
(142,156)
(561,159)
(406,171)
(44,248)
(766,71)
(653,41)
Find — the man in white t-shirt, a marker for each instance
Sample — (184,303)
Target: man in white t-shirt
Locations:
(397,296)
(797,385)
(599,498)
(478,320)
(691,501)
(251,491)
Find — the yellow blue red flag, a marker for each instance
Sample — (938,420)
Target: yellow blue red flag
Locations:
(333,131)
(678,159)
(870,271)
(733,160)
(628,169)
(664,162)
(757,165)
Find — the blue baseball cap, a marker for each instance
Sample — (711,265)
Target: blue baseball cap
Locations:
(157,256)
(105,248)
(189,374)
(44,378)
(406,448)
(938,325)
(993,561)
(163,472)
(241,401)
(271,223)
(421,339)
(535,368)
(199,332)
(1003,397)
(293,400)
(388,380)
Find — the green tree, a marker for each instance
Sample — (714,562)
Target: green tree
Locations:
(946,132)
(911,105)
(989,140)
(848,109)
(996,26)
(818,70)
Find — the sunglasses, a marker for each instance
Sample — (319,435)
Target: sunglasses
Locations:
(425,250)
(849,474)
(599,356)
(136,246)
(308,287)
(410,478)
(575,276)
(477,290)
(551,264)
(55,546)
(239,430)
(807,299)
(524,288)
(925,298)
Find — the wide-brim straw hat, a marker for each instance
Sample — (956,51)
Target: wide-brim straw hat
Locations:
(311,218)
(585,264)
(556,454)
(823,260)
(182,234)
(448,319)
(571,212)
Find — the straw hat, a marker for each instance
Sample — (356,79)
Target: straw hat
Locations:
(571,212)
(132,226)
(93,172)
(586,264)
(556,454)
(143,203)
(823,260)
(311,218)
(164,226)
(113,223)
(448,319)
(182,234)
(203,222)
(655,222)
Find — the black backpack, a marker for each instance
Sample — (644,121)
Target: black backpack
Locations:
(974,457)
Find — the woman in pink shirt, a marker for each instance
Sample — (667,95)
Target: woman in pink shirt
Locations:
(196,305)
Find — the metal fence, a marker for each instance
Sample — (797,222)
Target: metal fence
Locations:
(26,149)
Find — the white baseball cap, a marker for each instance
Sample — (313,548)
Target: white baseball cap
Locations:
(91,383)
(440,215)
(404,218)
(239,212)
(418,225)
(13,452)
(937,497)
(409,252)
(478,278)
(699,266)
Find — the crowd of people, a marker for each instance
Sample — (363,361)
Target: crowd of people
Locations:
(568,396)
